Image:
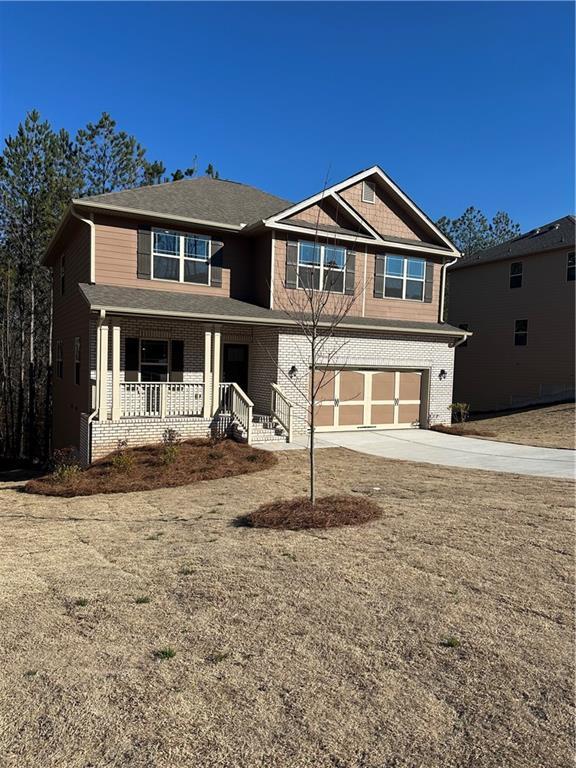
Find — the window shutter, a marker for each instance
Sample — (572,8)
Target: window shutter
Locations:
(131,359)
(177,360)
(144,258)
(429,283)
(216,254)
(291,280)
(350,272)
(379,266)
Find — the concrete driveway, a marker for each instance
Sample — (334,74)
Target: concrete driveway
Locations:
(449,450)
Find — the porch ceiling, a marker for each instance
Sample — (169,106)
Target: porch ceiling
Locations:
(143,301)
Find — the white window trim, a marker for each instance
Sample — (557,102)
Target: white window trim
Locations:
(168,342)
(320,266)
(366,184)
(404,277)
(181,257)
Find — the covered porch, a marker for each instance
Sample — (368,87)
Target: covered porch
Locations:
(197,378)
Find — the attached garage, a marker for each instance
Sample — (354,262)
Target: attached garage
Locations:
(368,399)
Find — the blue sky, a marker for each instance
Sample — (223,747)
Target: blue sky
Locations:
(461,103)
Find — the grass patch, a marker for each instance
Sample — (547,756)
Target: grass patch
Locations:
(142,600)
(186,571)
(81,602)
(165,653)
(216,658)
(450,642)
(146,469)
(327,512)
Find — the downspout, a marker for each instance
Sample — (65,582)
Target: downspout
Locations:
(92,243)
(443,285)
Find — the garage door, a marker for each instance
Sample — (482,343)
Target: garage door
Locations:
(356,399)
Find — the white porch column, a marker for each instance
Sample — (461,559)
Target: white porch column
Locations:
(103,375)
(207,407)
(116,373)
(217,344)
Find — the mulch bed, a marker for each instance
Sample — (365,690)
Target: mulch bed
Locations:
(146,468)
(327,512)
(463,431)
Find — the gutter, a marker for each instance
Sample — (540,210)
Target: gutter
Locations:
(443,285)
(92,243)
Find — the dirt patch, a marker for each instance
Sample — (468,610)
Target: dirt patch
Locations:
(146,629)
(326,512)
(156,466)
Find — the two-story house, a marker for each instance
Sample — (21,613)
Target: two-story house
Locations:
(518,299)
(170,311)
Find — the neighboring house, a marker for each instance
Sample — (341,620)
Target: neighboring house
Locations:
(169,312)
(518,300)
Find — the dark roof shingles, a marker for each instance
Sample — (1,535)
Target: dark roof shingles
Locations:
(204,199)
(200,306)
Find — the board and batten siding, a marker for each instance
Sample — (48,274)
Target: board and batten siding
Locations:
(491,372)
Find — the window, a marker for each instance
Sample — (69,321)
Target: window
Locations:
(521,333)
(62,275)
(321,266)
(77,359)
(153,360)
(570,267)
(464,327)
(516,274)
(59,360)
(368,192)
(179,256)
(404,278)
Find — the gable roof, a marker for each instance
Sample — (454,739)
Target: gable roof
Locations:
(374,172)
(202,199)
(556,234)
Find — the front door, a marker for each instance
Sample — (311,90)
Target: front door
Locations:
(235,364)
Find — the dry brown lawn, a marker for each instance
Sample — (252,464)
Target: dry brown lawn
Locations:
(438,636)
(552,426)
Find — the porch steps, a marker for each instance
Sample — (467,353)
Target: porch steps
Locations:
(265,429)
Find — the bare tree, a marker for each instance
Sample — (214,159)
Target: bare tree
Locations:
(327,289)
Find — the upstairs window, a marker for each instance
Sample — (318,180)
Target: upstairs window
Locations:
(520,333)
(404,278)
(62,275)
(321,266)
(182,257)
(77,359)
(570,267)
(59,360)
(516,274)
(368,192)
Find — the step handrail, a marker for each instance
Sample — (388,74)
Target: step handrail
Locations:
(281,409)
(241,409)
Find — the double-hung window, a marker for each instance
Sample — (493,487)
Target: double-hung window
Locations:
(516,274)
(571,266)
(321,266)
(520,333)
(179,256)
(404,277)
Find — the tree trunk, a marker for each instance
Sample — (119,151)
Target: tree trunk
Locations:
(312,423)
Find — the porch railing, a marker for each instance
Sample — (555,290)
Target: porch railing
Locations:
(160,399)
(281,409)
(234,401)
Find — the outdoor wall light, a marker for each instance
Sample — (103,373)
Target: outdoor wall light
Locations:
(442,375)
(293,371)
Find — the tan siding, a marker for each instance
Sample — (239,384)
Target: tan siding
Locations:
(491,372)
(366,304)
(384,215)
(71,318)
(325,213)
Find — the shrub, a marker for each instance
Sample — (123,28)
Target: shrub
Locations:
(450,642)
(68,474)
(460,412)
(165,653)
(171,442)
(327,512)
(122,461)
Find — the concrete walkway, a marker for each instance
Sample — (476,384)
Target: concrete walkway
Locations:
(448,450)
